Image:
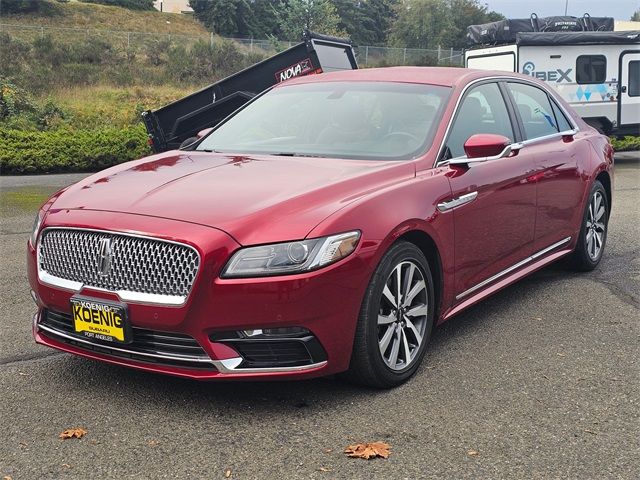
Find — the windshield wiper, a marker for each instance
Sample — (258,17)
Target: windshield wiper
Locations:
(294,154)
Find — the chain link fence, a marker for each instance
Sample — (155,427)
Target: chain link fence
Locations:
(368,56)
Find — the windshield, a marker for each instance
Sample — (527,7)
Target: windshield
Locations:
(364,120)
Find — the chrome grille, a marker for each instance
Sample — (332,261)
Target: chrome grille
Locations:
(137,264)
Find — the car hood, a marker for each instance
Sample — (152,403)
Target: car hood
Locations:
(255,199)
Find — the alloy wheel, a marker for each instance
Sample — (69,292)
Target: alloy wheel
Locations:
(403,314)
(596,226)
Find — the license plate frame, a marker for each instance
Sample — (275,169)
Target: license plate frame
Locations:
(100,320)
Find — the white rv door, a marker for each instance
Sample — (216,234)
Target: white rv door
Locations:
(629,95)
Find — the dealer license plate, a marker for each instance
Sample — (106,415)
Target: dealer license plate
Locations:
(100,320)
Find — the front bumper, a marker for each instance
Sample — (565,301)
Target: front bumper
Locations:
(325,303)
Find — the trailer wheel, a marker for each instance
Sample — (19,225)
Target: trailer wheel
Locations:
(189,141)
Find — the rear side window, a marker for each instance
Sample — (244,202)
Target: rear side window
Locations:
(634,78)
(482,111)
(535,110)
(561,120)
(591,69)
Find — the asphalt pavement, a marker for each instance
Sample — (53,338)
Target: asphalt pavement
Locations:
(541,380)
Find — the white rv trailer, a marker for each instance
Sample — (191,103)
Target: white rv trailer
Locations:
(598,73)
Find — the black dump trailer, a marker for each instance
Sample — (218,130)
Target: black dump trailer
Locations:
(172,124)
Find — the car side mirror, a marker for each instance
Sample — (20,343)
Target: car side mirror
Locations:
(204,132)
(485,145)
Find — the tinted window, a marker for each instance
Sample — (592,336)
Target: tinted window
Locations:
(591,69)
(535,110)
(482,111)
(360,120)
(634,79)
(562,121)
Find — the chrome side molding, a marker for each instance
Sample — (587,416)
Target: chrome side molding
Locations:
(456,202)
(513,267)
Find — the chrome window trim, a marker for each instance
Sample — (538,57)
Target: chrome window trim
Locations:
(125,295)
(505,78)
(513,267)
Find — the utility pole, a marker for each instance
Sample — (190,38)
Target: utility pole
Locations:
(566,7)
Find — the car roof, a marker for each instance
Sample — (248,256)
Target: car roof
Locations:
(443,76)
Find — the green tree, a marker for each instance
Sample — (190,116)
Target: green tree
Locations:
(18,6)
(239,18)
(317,15)
(465,13)
(433,23)
(422,24)
(636,16)
(367,22)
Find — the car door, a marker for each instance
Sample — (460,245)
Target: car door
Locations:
(629,89)
(547,133)
(493,203)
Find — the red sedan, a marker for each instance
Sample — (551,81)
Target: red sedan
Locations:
(324,228)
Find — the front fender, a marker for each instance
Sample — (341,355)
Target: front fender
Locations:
(386,214)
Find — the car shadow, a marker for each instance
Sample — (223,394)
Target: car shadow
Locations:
(266,397)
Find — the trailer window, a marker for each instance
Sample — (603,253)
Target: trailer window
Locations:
(591,69)
(535,110)
(359,120)
(634,79)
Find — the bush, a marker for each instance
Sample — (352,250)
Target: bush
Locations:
(625,144)
(130,4)
(69,150)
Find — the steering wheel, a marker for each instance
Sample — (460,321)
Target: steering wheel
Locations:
(401,134)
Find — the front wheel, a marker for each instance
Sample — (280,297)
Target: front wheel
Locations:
(395,321)
(593,233)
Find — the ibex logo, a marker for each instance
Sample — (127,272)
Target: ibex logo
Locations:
(301,68)
(557,75)
(105,256)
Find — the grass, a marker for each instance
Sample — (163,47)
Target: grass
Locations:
(101,105)
(24,199)
(103,17)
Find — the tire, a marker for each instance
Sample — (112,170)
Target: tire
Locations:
(372,363)
(593,235)
(188,141)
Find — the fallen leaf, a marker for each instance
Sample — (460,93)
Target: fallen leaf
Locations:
(7,477)
(328,450)
(66,465)
(227,474)
(368,450)
(153,443)
(473,453)
(73,433)
(324,469)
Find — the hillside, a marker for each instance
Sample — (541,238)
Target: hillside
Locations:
(91,16)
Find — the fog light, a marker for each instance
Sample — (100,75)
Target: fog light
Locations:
(251,333)
(284,331)
(274,332)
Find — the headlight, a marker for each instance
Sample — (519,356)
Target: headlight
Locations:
(36,228)
(290,257)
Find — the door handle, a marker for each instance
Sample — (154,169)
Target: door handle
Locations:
(456,202)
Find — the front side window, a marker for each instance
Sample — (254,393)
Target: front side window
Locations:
(360,120)
(591,69)
(535,110)
(482,111)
